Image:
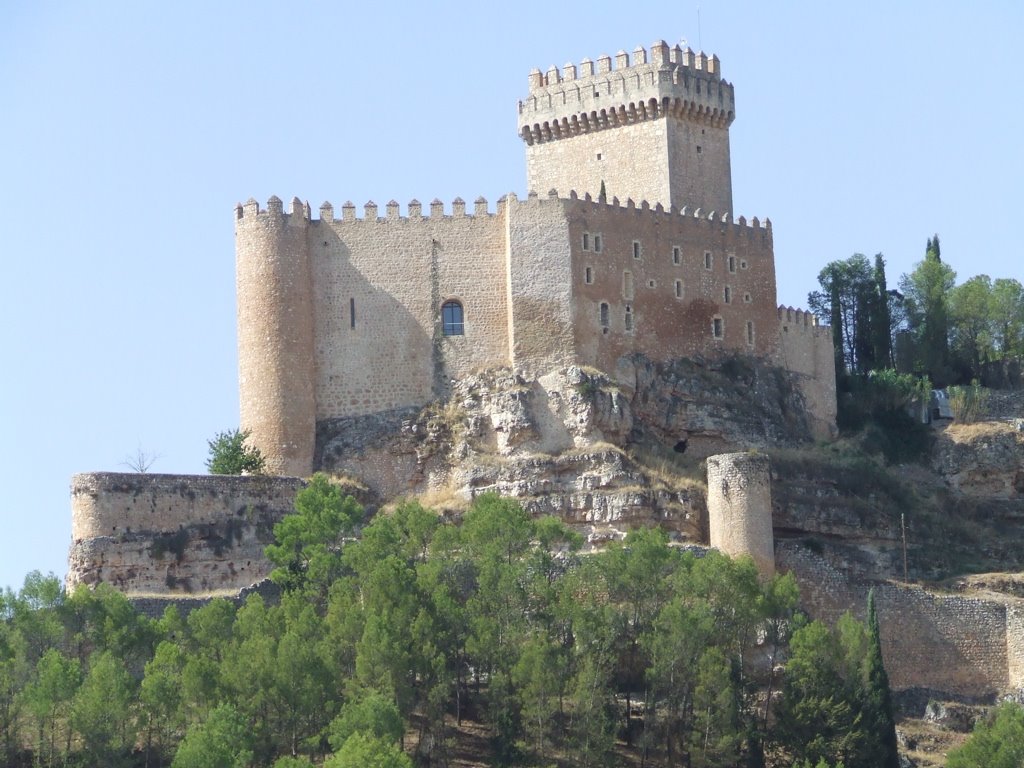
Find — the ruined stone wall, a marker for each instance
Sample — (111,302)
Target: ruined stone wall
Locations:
(740,507)
(166,534)
(964,646)
(666,277)
(805,348)
(653,128)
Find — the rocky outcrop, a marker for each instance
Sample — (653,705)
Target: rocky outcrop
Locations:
(984,459)
(605,453)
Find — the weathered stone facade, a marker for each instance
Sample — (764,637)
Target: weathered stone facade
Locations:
(173,534)
(343,317)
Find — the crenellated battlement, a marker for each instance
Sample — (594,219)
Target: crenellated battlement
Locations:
(300,211)
(664,81)
(371,211)
(798,317)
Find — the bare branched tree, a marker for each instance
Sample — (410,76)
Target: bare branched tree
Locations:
(140,461)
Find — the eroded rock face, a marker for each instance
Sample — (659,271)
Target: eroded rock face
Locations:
(985,459)
(605,453)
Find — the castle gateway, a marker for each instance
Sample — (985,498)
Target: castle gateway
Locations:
(627,245)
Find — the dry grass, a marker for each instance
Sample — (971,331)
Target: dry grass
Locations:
(443,499)
(963,433)
(672,470)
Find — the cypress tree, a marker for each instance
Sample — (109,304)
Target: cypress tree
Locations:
(881,321)
(878,705)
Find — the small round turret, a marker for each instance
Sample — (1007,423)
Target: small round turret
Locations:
(740,507)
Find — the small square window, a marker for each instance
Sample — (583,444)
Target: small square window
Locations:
(651,284)
(636,249)
(743,263)
(598,155)
(698,149)
(746,298)
(707,260)
(677,255)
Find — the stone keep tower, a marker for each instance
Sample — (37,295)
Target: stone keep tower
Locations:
(275,333)
(655,130)
(740,507)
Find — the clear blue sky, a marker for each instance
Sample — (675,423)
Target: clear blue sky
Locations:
(129,130)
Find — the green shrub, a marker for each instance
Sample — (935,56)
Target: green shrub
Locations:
(968,404)
(229,455)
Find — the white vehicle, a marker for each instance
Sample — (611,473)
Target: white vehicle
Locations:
(938,407)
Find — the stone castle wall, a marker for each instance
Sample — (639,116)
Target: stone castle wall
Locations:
(161,534)
(666,277)
(544,282)
(965,646)
(740,507)
(805,348)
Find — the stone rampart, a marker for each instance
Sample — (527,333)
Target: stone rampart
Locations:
(740,507)
(968,647)
(157,534)
(805,348)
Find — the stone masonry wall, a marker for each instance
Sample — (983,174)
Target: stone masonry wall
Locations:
(740,507)
(396,272)
(964,646)
(166,534)
(669,276)
(805,348)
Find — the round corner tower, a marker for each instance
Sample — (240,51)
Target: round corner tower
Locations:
(740,507)
(655,128)
(275,334)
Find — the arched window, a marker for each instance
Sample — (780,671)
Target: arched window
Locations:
(451,319)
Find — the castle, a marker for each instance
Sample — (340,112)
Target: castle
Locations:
(539,320)
(627,245)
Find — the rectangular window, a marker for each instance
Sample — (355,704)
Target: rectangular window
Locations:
(677,255)
(586,241)
(636,249)
(707,260)
(732,264)
(628,318)
(352,313)
(604,315)
(750,332)
(588,275)
(597,243)
(627,284)
(717,328)
(746,298)
(679,289)
(728,295)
